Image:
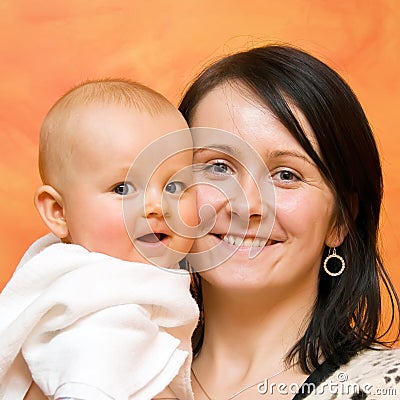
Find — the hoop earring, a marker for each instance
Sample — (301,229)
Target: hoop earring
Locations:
(330,256)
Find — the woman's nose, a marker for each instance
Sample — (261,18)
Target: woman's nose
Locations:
(247,201)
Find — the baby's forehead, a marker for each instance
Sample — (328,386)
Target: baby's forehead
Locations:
(98,129)
(94,113)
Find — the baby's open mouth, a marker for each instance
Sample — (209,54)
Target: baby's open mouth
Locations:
(152,237)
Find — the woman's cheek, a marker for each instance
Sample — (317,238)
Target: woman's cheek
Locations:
(210,201)
(300,211)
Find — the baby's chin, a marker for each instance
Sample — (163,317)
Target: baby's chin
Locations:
(162,253)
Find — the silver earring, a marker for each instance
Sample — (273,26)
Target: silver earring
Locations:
(330,256)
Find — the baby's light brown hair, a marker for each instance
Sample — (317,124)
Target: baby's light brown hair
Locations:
(55,144)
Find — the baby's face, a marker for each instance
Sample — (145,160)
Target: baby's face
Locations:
(129,213)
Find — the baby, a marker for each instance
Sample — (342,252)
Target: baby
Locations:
(80,316)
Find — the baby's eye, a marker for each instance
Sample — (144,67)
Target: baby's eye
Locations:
(219,168)
(124,189)
(175,187)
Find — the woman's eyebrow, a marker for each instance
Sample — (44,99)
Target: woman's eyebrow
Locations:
(290,153)
(222,148)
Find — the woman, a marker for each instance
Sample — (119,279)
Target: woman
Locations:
(276,316)
(307,306)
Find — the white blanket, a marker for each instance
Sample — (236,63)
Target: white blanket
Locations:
(79,319)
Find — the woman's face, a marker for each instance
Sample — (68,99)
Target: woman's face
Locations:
(289,257)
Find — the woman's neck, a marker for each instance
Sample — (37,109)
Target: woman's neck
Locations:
(249,334)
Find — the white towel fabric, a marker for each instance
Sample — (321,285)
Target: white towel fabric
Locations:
(74,317)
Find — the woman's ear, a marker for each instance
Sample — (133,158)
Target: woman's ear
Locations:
(340,229)
(336,235)
(50,205)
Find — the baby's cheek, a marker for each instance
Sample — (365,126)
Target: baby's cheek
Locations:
(185,228)
(187,208)
(114,231)
(112,234)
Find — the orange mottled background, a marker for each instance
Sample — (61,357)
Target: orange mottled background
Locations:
(47,46)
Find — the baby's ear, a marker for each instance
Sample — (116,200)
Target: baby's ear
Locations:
(50,205)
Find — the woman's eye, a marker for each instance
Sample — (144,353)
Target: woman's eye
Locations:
(219,168)
(286,176)
(124,189)
(175,187)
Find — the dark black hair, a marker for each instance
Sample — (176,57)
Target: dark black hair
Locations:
(347,310)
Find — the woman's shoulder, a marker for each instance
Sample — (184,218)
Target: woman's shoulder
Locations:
(370,374)
(381,362)
(375,372)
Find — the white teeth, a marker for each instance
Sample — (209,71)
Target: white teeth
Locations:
(246,242)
